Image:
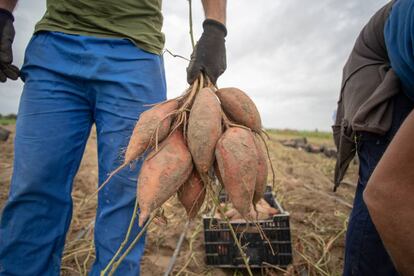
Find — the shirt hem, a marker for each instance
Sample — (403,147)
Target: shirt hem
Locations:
(152,50)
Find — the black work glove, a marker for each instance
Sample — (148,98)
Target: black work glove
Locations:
(7,70)
(209,55)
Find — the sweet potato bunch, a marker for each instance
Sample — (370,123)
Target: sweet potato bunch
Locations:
(189,139)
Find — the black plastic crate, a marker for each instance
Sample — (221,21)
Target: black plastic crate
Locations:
(221,250)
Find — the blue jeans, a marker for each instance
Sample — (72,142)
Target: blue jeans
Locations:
(71,83)
(365,254)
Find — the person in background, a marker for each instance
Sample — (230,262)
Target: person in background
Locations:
(390,190)
(88,62)
(372,106)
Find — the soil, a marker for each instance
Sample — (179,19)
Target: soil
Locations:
(303,186)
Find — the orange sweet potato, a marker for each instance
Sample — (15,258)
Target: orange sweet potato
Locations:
(261,178)
(237,162)
(240,108)
(162,174)
(143,135)
(191,194)
(252,215)
(204,129)
(263,207)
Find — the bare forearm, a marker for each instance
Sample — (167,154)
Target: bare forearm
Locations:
(389,197)
(8,5)
(215,9)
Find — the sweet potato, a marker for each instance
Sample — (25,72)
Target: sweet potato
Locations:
(252,215)
(231,213)
(240,108)
(263,207)
(262,210)
(162,174)
(204,129)
(237,162)
(261,178)
(143,135)
(191,194)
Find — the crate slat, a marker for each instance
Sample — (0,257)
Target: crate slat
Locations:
(221,251)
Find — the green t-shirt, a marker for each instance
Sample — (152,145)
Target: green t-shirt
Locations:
(138,20)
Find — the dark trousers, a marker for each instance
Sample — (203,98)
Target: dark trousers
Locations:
(365,254)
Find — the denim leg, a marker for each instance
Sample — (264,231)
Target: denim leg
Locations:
(72,81)
(52,127)
(122,94)
(365,254)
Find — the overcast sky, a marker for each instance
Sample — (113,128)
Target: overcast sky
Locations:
(287,55)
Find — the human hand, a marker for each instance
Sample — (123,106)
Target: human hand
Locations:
(7,69)
(209,55)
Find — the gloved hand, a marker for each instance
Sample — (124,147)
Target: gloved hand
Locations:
(7,70)
(209,55)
